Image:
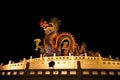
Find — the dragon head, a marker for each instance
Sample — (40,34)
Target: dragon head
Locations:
(51,26)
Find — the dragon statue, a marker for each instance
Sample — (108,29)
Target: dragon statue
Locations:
(62,44)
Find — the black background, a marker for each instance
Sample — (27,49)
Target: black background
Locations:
(96,25)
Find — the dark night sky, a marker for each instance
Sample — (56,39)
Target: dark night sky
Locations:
(99,28)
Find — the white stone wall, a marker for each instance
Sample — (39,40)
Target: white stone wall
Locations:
(64,62)
(14,66)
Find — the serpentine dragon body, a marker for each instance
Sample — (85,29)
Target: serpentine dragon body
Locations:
(62,44)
